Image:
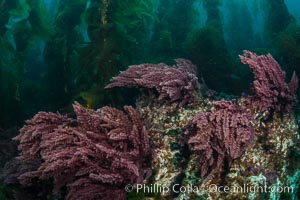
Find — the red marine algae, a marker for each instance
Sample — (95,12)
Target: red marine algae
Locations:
(177,83)
(193,139)
(220,136)
(94,155)
(270,91)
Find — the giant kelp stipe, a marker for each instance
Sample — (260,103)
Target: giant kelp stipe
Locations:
(149,99)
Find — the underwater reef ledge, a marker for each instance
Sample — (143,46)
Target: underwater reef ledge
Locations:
(175,138)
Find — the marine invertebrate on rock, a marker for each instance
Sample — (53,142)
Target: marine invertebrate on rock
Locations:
(95,155)
(220,136)
(166,124)
(177,83)
(270,91)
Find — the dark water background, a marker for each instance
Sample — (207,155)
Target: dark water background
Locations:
(55,52)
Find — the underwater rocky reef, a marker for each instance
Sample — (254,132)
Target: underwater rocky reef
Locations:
(179,137)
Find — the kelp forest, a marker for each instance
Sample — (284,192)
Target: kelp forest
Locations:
(99,94)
